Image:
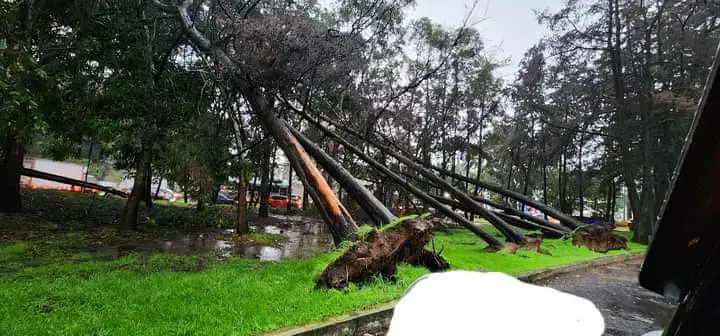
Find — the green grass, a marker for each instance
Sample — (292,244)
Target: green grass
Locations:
(51,285)
(172,295)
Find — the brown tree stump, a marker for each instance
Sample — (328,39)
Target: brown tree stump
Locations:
(381,252)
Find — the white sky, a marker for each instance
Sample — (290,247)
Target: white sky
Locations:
(509,26)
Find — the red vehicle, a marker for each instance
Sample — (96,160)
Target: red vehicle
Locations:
(281,201)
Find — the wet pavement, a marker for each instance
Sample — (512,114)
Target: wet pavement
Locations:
(300,237)
(628,309)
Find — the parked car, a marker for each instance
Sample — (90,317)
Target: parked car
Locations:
(278,201)
(164,194)
(224,198)
(281,201)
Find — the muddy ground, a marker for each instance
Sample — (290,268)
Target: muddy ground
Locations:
(292,236)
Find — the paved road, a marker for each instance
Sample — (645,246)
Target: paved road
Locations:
(629,309)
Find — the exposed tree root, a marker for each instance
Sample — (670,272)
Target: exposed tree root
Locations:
(598,238)
(534,244)
(381,252)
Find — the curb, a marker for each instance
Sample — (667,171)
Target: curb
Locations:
(377,319)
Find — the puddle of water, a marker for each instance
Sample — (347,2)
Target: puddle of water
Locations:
(304,237)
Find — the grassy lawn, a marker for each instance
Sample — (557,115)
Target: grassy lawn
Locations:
(72,293)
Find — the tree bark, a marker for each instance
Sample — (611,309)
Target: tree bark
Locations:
(614,41)
(581,187)
(10,171)
(264,210)
(367,201)
(133,203)
(340,223)
(565,219)
(241,222)
(536,222)
(545,186)
(305,200)
(496,221)
(492,241)
(147,191)
(515,220)
(333,212)
(62,179)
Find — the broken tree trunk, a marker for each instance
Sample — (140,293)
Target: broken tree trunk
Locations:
(395,178)
(380,253)
(367,201)
(341,224)
(563,218)
(496,221)
(337,218)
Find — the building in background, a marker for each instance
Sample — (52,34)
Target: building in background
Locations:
(64,169)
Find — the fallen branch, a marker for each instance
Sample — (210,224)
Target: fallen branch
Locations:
(66,180)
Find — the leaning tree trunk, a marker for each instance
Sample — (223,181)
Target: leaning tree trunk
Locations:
(492,241)
(536,222)
(511,219)
(367,201)
(341,224)
(565,219)
(333,212)
(132,205)
(10,171)
(495,220)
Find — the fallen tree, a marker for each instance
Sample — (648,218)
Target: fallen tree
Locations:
(492,218)
(549,231)
(380,253)
(395,178)
(66,180)
(367,201)
(527,221)
(563,218)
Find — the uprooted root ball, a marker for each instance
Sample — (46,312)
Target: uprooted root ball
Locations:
(381,252)
(598,238)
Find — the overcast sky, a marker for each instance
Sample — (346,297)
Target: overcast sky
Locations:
(509,26)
